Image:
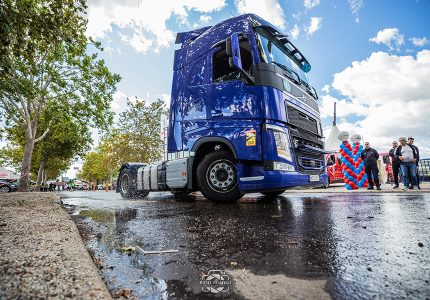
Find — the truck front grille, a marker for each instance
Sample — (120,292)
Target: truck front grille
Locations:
(310,163)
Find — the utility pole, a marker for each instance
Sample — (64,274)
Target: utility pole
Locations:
(334,116)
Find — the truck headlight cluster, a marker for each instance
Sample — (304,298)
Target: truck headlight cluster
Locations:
(282,141)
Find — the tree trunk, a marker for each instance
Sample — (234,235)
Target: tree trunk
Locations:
(40,174)
(24,182)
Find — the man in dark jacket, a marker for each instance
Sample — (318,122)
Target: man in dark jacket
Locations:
(369,157)
(408,157)
(411,143)
(395,164)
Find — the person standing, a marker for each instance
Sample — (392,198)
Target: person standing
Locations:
(395,164)
(408,158)
(370,157)
(411,143)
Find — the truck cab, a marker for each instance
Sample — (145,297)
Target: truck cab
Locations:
(243,117)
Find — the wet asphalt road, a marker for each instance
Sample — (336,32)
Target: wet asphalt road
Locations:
(362,246)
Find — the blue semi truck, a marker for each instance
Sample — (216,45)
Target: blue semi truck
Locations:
(243,117)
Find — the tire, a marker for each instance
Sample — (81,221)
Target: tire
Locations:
(273,194)
(141,194)
(217,177)
(127,189)
(326,184)
(4,189)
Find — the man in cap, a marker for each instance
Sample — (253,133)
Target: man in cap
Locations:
(411,143)
(408,158)
(369,157)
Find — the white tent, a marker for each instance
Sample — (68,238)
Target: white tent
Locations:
(332,143)
(6,174)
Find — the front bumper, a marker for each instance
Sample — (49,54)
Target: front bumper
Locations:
(256,178)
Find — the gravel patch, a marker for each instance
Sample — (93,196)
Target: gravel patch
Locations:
(270,287)
(41,252)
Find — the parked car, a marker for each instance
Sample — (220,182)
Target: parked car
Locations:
(7,187)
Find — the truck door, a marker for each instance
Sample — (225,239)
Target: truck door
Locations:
(235,108)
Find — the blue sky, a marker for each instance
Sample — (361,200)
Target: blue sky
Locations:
(372,57)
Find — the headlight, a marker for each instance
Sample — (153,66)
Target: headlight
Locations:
(281,140)
(282,145)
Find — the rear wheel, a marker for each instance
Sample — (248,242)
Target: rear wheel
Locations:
(127,188)
(217,177)
(125,184)
(273,194)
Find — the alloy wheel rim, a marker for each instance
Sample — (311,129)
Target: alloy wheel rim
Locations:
(221,176)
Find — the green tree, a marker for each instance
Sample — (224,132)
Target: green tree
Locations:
(44,61)
(95,167)
(137,137)
(139,132)
(67,139)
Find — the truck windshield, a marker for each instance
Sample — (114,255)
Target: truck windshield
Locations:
(273,51)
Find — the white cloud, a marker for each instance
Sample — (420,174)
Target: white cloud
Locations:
(165,98)
(355,5)
(314,26)
(419,41)
(297,16)
(142,26)
(391,92)
(389,37)
(205,18)
(270,10)
(383,78)
(326,89)
(344,107)
(309,4)
(295,32)
(111,51)
(118,104)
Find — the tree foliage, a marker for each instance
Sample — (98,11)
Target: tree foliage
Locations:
(44,62)
(67,139)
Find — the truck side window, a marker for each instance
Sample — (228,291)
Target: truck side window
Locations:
(221,70)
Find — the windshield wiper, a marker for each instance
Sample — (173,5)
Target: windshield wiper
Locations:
(289,72)
(309,89)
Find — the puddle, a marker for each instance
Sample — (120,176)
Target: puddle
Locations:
(330,241)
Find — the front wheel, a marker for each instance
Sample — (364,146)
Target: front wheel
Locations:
(217,177)
(326,183)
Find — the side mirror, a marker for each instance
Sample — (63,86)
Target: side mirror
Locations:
(232,50)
